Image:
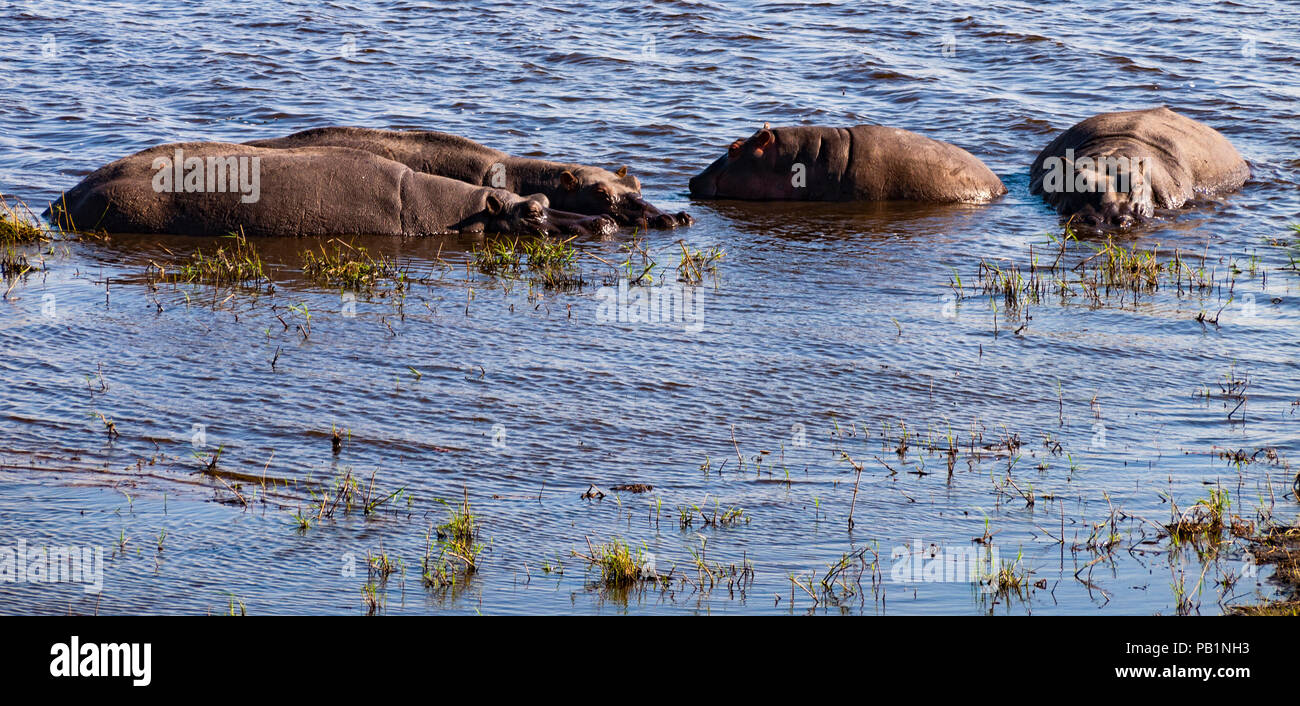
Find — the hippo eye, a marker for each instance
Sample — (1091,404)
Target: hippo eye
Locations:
(734,149)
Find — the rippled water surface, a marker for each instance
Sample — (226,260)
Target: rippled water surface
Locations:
(825,328)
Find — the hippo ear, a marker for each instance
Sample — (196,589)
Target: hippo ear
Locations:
(762,140)
(568,181)
(622,172)
(494,204)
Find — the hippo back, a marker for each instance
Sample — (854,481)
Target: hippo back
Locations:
(1186,158)
(860,163)
(294,192)
(889,163)
(426,151)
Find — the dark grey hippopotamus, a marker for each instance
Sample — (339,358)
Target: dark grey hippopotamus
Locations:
(214,188)
(570,187)
(861,163)
(1115,169)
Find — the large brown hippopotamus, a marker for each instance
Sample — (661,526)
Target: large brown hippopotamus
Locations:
(570,187)
(861,163)
(1115,169)
(214,188)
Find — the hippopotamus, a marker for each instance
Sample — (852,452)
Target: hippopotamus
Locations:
(214,188)
(570,187)
(860,163)
(1115,169)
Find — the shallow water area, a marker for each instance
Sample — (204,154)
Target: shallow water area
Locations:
(829,335)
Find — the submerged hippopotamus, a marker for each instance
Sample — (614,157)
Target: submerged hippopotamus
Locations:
(214,188)
(1115,169)
(570,187)
(861,163)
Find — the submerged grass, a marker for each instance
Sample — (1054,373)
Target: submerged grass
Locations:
(1205,519)
(238,263)
(344,495)
(18,224)
(1112,269)
(1112,274)
(545,261)
(621,566)
(458,546)
(17,229)
(1279,547)
(14,263)
(696,263)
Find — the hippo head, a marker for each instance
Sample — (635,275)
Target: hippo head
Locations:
(616,194)
(1099,190)
(751,169)
(504,212)
(1114,209)
(1126,197)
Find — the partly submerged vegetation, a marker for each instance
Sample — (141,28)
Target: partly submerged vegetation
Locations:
(1066,271)
(554,264)
(343,495)
(348,265)
(458,547)
(18,230)
(620,565)
(233,263)
(546,261)
(1113,272)
(18,225)
(1017,473)
(1277,546)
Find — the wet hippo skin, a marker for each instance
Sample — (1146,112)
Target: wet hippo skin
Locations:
(295,192)
(569,187)
(1164,160)
(861,163)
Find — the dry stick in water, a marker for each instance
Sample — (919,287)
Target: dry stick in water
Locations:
(236,492)
(812,595)
(854,504)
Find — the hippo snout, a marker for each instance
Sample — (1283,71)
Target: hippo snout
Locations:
(639,212)
(669,220)
(565,223)
(602,225)
(1120,215)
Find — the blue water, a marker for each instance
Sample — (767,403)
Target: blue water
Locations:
(824,323)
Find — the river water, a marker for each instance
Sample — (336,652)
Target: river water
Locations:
(824,328)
